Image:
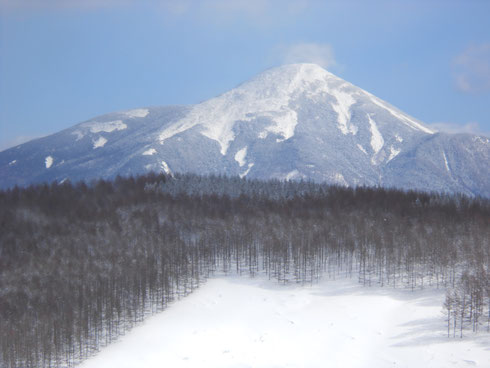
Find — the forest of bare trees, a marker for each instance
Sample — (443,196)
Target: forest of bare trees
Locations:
(80,264)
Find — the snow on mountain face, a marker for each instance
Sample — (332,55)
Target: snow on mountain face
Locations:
(49,162)
(295,107)
(272,95)
(268,96)
(137,113)
(291,122)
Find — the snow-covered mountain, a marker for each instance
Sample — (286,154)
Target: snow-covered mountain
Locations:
(290,122)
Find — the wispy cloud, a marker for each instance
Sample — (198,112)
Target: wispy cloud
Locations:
(472,69)
(471,128)
(309,52)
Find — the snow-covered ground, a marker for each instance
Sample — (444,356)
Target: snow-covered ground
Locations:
(243,322)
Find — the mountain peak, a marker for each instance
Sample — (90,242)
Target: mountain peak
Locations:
(292,77)
(303,70)
(289,122)
(268,95)
(274,96)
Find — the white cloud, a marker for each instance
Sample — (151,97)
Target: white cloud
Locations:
(472,69)
(317,53)
(471,128)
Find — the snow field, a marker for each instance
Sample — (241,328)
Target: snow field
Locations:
(149,152)
(243,322)
(99,142)
(250,165)
(137,113)
(240,156)
(377,140)
(107,126)
(165,167)
(48,161)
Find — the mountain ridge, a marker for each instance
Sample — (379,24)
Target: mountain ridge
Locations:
(296,121)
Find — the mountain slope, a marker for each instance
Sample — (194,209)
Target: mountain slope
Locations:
(444,162)
(291,122)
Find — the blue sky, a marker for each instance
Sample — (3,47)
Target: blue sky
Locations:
(65,61)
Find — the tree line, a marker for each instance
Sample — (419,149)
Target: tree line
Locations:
(82,263)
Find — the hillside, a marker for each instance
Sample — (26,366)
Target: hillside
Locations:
(82,264)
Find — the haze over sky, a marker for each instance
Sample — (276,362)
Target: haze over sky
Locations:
(65,61)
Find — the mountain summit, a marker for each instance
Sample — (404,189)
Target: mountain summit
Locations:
(291,122)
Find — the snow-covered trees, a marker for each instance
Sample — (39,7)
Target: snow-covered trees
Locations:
(80,264)
(467,301)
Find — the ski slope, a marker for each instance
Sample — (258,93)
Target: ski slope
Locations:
(243,322)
